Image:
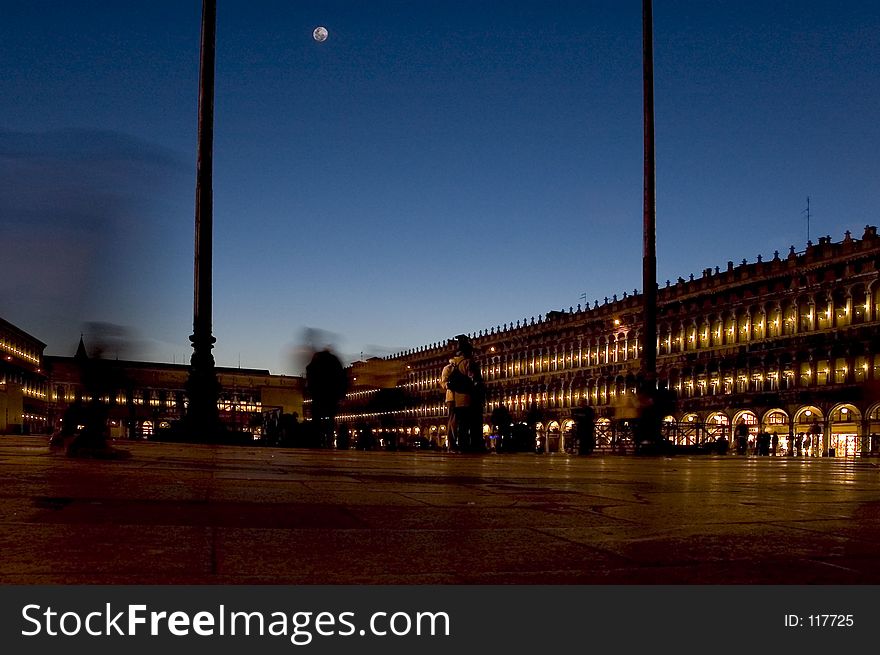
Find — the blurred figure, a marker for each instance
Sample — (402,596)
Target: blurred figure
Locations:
(326,384)
(85,430)
(113,341)
(311,340)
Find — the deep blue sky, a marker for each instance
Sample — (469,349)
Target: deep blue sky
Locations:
(432,168)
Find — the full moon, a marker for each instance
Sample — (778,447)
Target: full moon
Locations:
(320,34)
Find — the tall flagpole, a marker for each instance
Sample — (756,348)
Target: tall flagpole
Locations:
(202,386)
(649,257)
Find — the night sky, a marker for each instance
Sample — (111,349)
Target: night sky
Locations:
(431,168)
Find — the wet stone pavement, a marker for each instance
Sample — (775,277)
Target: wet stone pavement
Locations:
(197,514)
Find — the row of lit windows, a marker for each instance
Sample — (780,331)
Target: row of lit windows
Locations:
(743,329)
(9,346)
(28,389)
(161,398)
(24,379)
(624,349)
(824,373)
(239,406)
(34,391)
(153,399)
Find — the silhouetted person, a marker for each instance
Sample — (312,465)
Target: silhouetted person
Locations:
(502,422)
(741,432)
(466,383)
(652,404)
(585,429)
(344,440)
(365,439)
(815,438)
(451,437)
(763,443)
(326,384)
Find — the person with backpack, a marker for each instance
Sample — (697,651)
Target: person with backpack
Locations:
(465,381)
(451,441)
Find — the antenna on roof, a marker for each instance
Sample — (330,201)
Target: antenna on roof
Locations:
(807,213)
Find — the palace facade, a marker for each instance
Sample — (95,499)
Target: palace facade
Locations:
(145,398)
(142,398)
(789,346)
(23,388)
